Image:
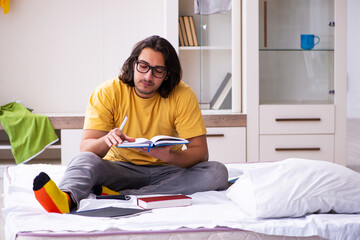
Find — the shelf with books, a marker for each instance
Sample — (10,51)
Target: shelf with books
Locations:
(186,48)
(293,50)
(217,53)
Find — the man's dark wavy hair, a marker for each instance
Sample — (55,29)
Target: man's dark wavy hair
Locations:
(172,63)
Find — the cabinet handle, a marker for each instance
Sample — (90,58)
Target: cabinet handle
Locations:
(298,149)
(265,24)
(215,135)
(297,119)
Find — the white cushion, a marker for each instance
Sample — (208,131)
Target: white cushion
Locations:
(295,187)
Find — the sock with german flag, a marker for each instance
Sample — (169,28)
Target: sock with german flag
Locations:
(102,190)
(49,195)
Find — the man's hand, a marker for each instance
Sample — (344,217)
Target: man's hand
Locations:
(116,136)
(162,153)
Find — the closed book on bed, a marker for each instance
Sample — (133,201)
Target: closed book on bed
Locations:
(164,201)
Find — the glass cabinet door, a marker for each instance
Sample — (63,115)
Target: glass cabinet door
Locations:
(207,66)
(296,51)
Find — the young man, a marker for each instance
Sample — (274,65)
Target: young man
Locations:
(149,92)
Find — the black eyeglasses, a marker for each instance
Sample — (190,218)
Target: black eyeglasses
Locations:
(157,71)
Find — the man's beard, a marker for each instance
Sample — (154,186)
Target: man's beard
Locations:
(144,90)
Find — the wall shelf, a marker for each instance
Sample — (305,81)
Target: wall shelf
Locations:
(295,50)
(7,146)
(205,48)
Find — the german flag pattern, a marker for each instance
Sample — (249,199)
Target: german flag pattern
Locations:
(49,195)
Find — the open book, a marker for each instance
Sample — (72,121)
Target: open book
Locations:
(157,141)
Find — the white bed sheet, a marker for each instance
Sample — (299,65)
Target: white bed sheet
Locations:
(23,213)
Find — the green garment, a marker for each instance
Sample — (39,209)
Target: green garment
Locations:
(29,133)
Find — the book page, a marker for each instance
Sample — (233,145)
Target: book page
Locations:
(168,140)
(139,142)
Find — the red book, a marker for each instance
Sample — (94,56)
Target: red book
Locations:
(164,201)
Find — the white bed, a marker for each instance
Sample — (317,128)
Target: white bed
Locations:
(212,215)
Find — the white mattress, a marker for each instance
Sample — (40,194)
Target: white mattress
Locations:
(25,218)
(201,234)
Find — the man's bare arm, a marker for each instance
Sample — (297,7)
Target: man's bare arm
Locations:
(100,142)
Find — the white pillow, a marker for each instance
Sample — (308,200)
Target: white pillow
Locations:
(295,187)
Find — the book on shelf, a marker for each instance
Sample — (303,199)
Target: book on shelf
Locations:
(222,92)
(177,200)
(188,30)
(227,103)
(181,37)
(157,141)
(183,31)
(193,31)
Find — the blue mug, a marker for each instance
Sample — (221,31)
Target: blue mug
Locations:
(308,41)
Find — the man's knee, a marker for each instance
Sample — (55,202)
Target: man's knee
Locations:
(221,175)
(86,158)
(216,173)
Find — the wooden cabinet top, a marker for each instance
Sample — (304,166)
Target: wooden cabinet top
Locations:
(69,121)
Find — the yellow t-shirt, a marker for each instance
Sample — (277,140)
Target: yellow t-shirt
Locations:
(177,115)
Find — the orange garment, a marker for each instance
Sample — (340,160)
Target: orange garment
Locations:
(5,4)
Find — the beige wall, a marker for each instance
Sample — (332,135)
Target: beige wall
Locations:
(53,53)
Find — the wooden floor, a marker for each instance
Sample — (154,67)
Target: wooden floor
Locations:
(353,159)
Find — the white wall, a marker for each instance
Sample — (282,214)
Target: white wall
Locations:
(54,53)
(353,60)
